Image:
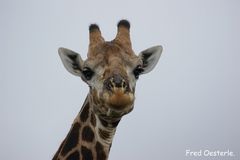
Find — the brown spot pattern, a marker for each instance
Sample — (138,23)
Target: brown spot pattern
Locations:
(71,139)
(101,155)
(87,134)
(86,153)
(74,156)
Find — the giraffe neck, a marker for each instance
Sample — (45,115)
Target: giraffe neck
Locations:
(89,138)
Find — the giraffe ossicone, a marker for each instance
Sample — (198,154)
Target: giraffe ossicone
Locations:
(111,71)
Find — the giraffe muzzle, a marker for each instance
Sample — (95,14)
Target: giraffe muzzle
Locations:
(117,94)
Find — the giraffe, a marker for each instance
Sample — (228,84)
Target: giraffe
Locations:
(111,71)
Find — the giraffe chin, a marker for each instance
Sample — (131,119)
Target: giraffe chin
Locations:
(119,100)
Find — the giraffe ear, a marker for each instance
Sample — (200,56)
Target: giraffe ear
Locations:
(150,58)
(71,60)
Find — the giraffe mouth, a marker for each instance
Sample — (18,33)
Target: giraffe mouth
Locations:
(118,99)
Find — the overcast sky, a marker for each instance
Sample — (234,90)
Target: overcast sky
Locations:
(190,101)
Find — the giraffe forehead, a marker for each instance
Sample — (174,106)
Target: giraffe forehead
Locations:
(110,47)
(111,53)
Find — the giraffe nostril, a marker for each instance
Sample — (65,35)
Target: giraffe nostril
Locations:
(108,85)
(124,84)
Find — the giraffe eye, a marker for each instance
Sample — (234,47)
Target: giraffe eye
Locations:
(87,73)
(137,71)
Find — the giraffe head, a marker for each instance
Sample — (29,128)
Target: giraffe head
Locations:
(111,70)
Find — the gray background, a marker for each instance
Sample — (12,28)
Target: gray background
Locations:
(190,101)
